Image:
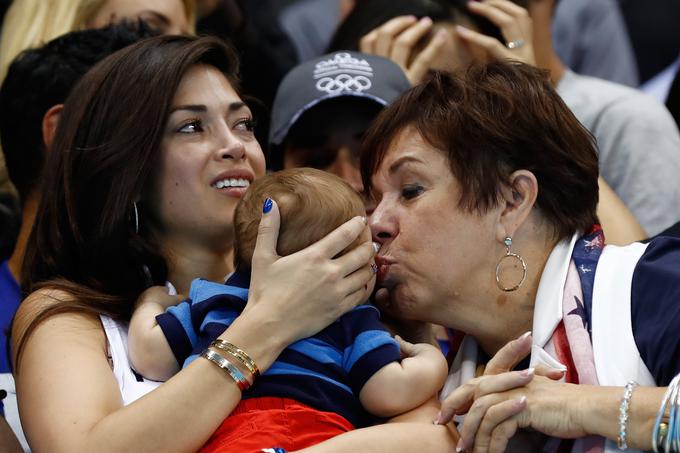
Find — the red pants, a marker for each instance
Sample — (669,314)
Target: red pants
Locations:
(269,422)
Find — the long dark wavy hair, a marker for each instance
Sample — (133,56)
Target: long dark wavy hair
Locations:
(107,144)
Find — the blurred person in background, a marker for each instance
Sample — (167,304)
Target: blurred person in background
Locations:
(31,101)
(637,138)
(324,106)
(591,38)
(32,23)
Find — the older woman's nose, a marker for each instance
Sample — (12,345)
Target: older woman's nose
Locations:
(383,224)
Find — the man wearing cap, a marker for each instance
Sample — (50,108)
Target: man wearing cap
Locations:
(324,106)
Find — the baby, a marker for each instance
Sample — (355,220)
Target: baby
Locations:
(344,377)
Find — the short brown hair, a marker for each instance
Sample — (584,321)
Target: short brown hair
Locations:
(492,120)
(312,203)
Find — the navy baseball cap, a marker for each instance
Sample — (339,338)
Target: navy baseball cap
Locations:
(331,76)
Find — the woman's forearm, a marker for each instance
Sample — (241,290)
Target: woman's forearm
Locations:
(195,400)
(178,416)
(392,437)
(618,223)
(260,335)
(64,370)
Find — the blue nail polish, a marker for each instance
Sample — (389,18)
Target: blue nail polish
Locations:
(267,206)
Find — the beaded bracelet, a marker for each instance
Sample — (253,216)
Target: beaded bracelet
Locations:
(238,354)
(623,414)
(226,365)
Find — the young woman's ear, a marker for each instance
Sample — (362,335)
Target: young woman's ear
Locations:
(518,198)
(49,124)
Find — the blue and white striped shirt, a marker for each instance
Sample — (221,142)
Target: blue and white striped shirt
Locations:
(326,371)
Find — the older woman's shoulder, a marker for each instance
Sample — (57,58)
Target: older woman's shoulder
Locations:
(655,307)
(661,258)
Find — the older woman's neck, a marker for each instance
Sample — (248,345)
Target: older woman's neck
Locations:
(513,312)
(187,261)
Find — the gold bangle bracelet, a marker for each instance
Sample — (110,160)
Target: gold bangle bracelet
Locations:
(227,366)
(238,354)
(663,432)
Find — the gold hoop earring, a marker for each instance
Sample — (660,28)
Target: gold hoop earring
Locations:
(508,254)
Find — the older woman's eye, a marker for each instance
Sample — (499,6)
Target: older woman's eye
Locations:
(191,127)
(411,191)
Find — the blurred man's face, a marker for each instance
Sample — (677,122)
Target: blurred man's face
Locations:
(329,138)
(335,151)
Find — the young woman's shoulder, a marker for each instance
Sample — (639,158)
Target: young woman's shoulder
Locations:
(53,314)
(61,367)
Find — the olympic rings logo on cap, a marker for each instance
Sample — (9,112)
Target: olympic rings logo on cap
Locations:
(343,82)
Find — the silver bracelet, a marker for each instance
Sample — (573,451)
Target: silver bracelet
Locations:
(623,414)
(226,365)
(672,441)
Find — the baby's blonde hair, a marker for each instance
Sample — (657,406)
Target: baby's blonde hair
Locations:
(312,203)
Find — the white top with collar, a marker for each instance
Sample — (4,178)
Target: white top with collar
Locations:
(617,359)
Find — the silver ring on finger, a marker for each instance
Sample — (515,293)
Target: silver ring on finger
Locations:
(516,44)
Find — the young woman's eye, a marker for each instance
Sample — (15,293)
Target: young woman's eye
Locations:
(411,191)
(246,124)
(191,127)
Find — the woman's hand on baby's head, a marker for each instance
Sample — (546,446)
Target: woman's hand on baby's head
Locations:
(302,293)
(159,295)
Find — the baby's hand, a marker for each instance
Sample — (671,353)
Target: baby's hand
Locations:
(430,360)
(400,387)
(415,349)
(158,295)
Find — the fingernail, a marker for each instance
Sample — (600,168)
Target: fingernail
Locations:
(364,219)
(524,335)
(460,446)
(425,20)
(520,401)
(528,372)
(463,31)
(267,206)
(376,247)
(374,268)
(438,419)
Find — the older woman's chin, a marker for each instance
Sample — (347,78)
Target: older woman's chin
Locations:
(398,301)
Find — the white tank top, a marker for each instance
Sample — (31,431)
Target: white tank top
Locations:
(132,385)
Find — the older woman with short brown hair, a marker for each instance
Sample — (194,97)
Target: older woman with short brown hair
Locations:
(486,187)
